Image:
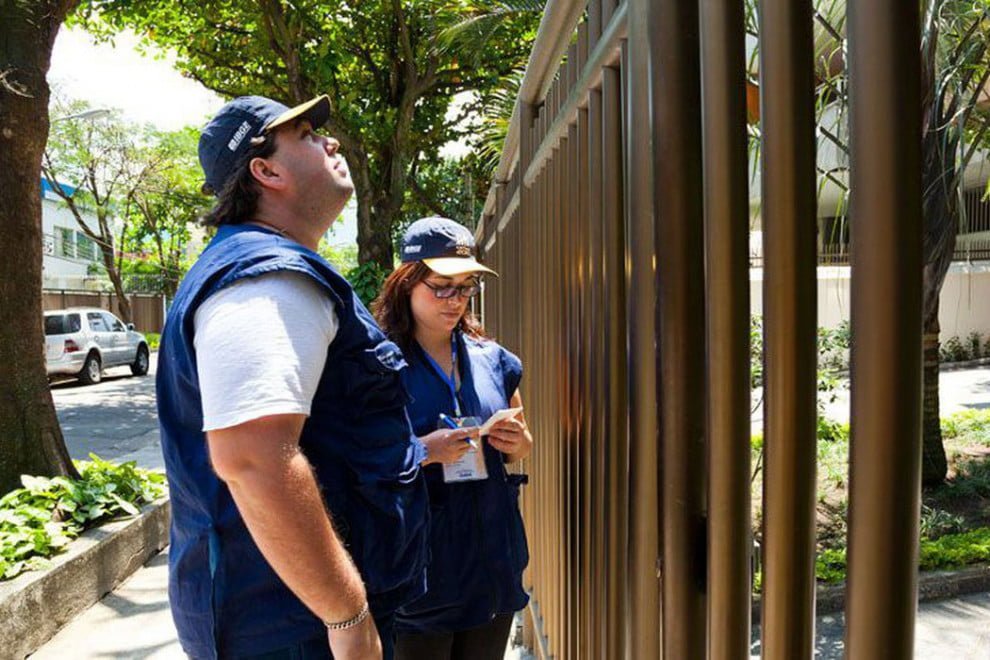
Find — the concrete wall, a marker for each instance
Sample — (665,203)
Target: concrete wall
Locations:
(964,308)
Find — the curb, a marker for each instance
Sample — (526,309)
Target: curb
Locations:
(932,586)
(35,605)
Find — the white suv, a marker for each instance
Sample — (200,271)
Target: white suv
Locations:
(83,341)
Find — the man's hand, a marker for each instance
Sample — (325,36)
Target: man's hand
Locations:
(448,445)
(361,642)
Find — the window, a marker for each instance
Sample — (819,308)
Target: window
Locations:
(62,324)
(113,322)
(65,242)
(85,247)
(96,322)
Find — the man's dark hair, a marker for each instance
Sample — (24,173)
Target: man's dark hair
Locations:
(238,201)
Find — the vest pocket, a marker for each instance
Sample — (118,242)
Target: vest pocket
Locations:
(374,383)
(388,530)
(517,531)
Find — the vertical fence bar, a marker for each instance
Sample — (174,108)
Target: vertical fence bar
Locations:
(789,295)
(678,212)
(644,634)
(885,446)
(727,256)
(615,375)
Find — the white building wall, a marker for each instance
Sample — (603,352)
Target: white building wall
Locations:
(61,271)
(964,304)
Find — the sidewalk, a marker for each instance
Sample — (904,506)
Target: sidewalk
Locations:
(134,622)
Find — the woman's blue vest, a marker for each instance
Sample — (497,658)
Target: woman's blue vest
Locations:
(225,598)
(477,540)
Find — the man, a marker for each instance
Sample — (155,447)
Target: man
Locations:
(279,398)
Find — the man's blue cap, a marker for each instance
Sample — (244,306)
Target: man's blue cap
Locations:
(230,133)
(445,246)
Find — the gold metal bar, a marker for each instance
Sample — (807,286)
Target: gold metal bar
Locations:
(678,211)
(615,366)
(727,240)
(885,452)
(644,635)
(789,297)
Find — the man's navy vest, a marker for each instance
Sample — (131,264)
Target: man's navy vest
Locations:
(225,598)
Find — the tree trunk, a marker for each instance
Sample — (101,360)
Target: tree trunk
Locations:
(30,437)
(117,281)
(374,236)
(933,462)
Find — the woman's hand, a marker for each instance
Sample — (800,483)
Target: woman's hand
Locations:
(512,436)
(447,445)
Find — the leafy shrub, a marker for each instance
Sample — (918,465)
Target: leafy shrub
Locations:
(974,344)
(955,550)
(952,350)
(756,351)
(154,340)
(949,551)
(830,565)
(937,522)
(832,431)
(367,281)
(971,425)
(38,520)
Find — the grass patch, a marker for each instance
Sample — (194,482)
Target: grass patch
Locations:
(970,426)
(38,520)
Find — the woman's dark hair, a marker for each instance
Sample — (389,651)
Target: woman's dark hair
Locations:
(238,201)
(393,310)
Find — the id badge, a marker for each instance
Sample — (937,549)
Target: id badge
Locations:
(470,466)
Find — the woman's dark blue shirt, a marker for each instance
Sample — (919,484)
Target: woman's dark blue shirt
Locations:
(477,540)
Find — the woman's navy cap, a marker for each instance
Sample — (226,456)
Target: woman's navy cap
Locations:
(445,246)
(229,134)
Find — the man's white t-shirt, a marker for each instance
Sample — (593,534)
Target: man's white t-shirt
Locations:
(261,345)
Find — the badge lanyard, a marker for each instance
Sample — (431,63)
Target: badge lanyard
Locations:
(449,379)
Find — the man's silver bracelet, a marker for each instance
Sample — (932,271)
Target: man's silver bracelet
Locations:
(350,623)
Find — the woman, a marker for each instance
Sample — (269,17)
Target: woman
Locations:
(457,376)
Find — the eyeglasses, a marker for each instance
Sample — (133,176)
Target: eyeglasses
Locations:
(446,292)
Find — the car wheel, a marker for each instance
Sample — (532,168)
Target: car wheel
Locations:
(92,371)
(140,365)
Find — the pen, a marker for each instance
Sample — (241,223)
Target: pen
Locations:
(450,423)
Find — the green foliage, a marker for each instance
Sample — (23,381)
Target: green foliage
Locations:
(832,431)
(971,426)
(955,550)
(830,565)
(972,347)
(154,340)
(38,520)
(366,279)
(947,552)
(971,482)
(756,351)
(161,212)
(391,69)
(937,522)
(343,257)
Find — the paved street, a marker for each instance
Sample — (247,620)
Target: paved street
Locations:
(115,419)
(955,629)
(959,389)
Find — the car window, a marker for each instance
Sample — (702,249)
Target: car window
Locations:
(96,322)
(113,322)
(62,324)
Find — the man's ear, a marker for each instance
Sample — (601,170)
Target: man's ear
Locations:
(267,173)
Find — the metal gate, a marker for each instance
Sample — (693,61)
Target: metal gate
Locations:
(619,222)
